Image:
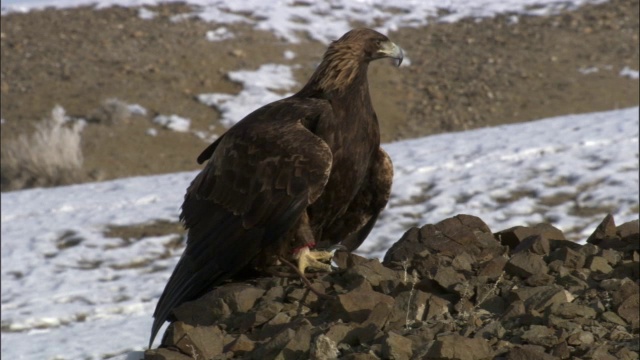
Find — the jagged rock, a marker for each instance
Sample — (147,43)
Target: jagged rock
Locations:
(569,258)
(409,307)
(459,348)
(372,271)
(612,317)
(450,236)
(528,352)
(525,264)
(447,277)
(580,338)
(540,335)
(536,244)
(512,237)
(598,264)
(165,354)
(241,345)
(396,347)
(572,311)
(630,310)
(194,341)
(561,351)
(453,292)
(356,305)
(493,268)
(541,297)
(323,348)
(604,231)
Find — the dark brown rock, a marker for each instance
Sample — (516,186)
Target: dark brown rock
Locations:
(536,244)
(541,297)
(629,232)
(606,230)
(525,264)
(409,307)
(195,341)
(493,268)
(356,305)
(165,354)
(570,258)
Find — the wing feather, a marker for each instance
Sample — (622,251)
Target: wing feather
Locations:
(261,176)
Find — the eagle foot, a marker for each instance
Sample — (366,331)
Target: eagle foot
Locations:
(313,259)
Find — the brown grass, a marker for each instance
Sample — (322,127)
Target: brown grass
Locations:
(50,156)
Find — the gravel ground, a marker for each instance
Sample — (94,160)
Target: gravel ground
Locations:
(463,75)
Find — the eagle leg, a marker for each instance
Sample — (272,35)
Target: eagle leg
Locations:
(312,259)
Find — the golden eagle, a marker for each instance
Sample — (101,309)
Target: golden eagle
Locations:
(302,171)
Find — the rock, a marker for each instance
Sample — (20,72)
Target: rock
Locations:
(356,305)
(289,343)
(528,352)
(525,264)
(570,258)
(372,271)
(630,311)
(536,244)
(512,237)
(195,341)
(604,231)
(448,277)
(395,346)
(323,348)
(408,308)
(541,297)
(493,268)
(572,311)
(561,351)
(241,345)
(540,335)
(165,354)
(580,338)
(459,348)
(612,317)
(629,232)
(598,264)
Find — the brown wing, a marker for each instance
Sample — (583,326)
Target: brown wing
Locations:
(262,175)
(353,227)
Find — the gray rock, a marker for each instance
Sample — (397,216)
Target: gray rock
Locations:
(580,338)
(540,335)
(323,348)
(572,311)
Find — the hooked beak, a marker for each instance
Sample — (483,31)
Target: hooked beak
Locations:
(389,49)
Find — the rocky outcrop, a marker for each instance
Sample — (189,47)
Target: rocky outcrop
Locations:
(451,290)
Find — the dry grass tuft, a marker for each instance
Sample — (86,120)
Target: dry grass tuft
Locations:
(50,156)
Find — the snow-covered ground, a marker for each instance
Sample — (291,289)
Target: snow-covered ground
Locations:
(70,292)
